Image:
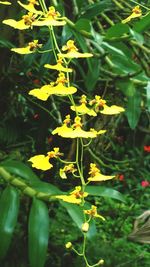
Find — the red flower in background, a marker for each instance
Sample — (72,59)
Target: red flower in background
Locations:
(121,177)
(145,183)
(147,149)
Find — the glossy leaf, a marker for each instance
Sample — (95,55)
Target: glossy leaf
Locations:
(95,9)
(38,233)
(20,169)
(92,76)
(126,86)
(133,109)
(117,30)
(83,25)
(104,192)
(143,24)
(9,207)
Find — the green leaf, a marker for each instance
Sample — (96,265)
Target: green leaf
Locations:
(19,169)
(137,36)
(133,109)
(117,30)
(44,187)
(126,86)
(77,215)
(95,9)
(83,25)
(147,88)
(143,24)
(38,233)
(104,192)
(92,76)
(9,207)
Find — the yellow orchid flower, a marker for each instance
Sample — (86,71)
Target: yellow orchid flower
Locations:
(101,106)
(52,18)
(83,109)
(23,24)
(72,51)
(67,169)
(30,48)
(5,3)
(59,89)
(75,197)
(76,131)
(41,162)
(58,66)
(136,12)
(43,93)
(69,199)
(112,110)
(96,176)
(30,7)
(93,213)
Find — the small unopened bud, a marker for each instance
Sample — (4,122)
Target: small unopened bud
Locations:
(68,245)
(100,262)
(85,227)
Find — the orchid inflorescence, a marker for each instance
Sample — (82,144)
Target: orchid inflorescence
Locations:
(73,126)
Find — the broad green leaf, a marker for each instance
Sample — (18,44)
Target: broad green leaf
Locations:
(38,233)
(143,24)
(19,169)
(44,187)
(137,36)
(133,109)
(95,9)
(123,64)
(147,88)
(117,30)
(112,49)
(9,207)
(126,86)
(83,25)
(77,215)
(92,76)
(104,192)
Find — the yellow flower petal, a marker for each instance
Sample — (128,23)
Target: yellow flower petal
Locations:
(83,109)
(30,7)
(41,162)
(5,3)
(112,110)
(69,199)
(100,177)
(48,22)
(136,12)
(60,89)
(63,131)
(20,25)
(58,67)
(23,50)
(75,54)
(42,93)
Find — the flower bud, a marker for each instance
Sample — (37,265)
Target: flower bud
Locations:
(100,262)
(85,227)
(68,245)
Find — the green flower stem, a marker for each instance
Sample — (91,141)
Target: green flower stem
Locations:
(66,162)
(78,166)
(72,25)
(56,110)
